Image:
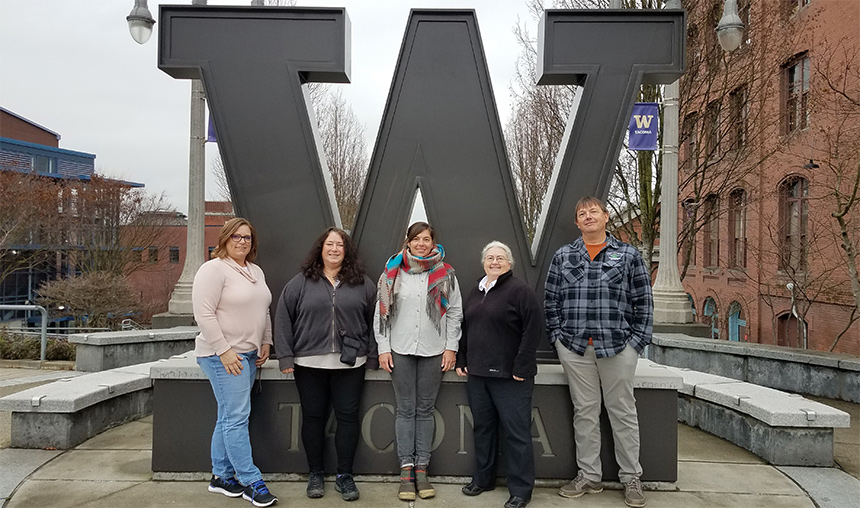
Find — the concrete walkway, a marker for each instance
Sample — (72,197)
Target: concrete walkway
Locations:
(113,469)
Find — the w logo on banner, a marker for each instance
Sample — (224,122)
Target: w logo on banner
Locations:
(643,121)
(643,126)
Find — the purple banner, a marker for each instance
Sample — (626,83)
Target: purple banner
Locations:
(211,138)
(644,123)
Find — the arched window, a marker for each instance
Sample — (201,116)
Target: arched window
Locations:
(711,232)
(793,219)
(738,229)
(710,316)
(737,323)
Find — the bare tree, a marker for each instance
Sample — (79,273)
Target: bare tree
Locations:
(535,129)
(95,300)
(28,209)
(222,188)
(836,102)
(342,136)
(729,126)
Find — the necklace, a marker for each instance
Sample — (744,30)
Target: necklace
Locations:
(331,274)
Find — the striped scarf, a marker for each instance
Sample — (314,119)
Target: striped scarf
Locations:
(439,285)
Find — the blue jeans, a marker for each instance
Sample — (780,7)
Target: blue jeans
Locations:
(231,444)
(416,381)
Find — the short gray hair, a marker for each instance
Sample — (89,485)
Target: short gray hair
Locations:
(496,243)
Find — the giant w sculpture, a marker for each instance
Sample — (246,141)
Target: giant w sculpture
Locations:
(440,130)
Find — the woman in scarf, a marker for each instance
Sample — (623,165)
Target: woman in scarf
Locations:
(418,331)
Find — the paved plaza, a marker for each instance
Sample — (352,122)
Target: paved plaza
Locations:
(113,470)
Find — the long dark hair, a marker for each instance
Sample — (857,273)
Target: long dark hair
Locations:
(352,269)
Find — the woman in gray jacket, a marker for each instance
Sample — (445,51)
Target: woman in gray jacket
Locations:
(324,337)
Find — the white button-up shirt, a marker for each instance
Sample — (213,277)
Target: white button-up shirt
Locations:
(412,332)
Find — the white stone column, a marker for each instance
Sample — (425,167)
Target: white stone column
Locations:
(670,300)
(180,301)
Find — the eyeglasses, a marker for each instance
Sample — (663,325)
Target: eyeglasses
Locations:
(500,259)
(239,238)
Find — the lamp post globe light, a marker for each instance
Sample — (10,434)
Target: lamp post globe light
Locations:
(671,305)
(180,311)
(140,22)
(730,29)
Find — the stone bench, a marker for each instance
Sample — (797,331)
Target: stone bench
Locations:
(784,429)
(184,416)
(95,352)
(69,411)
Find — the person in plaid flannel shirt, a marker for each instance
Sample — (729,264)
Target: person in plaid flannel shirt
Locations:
(599,315)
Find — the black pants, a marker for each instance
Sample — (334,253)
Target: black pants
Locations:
(318,389)
(505,402)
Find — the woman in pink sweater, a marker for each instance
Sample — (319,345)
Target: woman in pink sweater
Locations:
(231,306)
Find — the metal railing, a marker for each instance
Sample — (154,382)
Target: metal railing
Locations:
(130,324)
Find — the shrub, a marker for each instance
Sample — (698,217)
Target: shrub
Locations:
(60,350)
(19,347)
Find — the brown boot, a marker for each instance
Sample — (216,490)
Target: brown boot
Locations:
(407,484)
(425,489)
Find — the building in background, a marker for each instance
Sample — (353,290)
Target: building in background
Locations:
(770,140)
(156,281)
(57,216)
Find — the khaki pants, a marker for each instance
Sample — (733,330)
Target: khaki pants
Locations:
(587,376)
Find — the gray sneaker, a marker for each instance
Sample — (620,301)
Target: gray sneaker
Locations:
(633,495)
(316,485)
(579,486)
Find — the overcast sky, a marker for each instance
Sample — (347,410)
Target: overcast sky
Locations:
(71,66)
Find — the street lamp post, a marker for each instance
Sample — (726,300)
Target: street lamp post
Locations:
(180,310)
(671,305)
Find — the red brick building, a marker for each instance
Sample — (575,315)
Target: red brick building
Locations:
(156,281)
(770,139)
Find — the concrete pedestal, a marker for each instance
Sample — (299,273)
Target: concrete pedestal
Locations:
(184,416)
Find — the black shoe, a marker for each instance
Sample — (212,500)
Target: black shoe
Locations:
(227,486)
(258,494)
(516,502)
(316,485)
(345,484)
(473,489)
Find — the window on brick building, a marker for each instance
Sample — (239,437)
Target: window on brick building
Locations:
(737,323)
(153,254)
(739,117)
(712,130)
(211,250)
(688,133)
(688,232)
(793,222)
(738,229)
(136,255)
(174,254)
(797,94)
(792,6)
(711,232)
(711,317)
